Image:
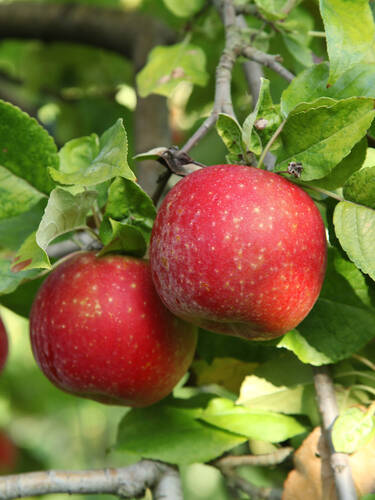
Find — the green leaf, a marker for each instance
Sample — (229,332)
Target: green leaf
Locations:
(271,9)
(153,154)
(211,346)
(305,87)
(350,34)
(119,236)
(89,160)
(340,323)
(295,45)
(184,8)
(128,219)
(355,229)
(231,134)
(334,127)
(15,230)
(261,124)
(358,81)
(26,148)
(341,172)
(295,33)
(16,195)
(273,427)
(129,204)
(76,155)
(260,394)
(64,212)
(168,66)
(295,342)
(30,256)
(352,430)
(21,300)
(311,84)
(360,187)
(9,280)
(170,434)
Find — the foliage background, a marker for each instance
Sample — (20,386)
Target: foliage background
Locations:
(76,90)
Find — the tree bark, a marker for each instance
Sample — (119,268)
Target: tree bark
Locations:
(125,482)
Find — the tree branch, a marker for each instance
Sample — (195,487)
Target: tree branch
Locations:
(125,482)
(268,60)
(111,29)
(329,412)
(231,461)
(223,96)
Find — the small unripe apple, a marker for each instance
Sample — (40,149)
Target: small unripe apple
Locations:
(8,454)
(99,330)
(3,345)
(238,250)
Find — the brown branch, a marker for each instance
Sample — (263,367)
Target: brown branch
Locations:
(125,482)
(328,408)
(111,29)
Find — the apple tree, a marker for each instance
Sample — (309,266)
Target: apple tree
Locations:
(187,249)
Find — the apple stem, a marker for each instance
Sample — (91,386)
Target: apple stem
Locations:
(270,143)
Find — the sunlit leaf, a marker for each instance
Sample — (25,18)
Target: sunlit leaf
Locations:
(352,429)
(355,229)
(91,160)
(168,66)
(334,127)
(173,435)
(27,150)
(184,8)
(350,32)
(273,427)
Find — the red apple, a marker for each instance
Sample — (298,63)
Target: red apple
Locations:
(8,454)
(3,345)
(238,250)
(99,330)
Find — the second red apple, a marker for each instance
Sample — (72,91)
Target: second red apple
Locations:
(238,250)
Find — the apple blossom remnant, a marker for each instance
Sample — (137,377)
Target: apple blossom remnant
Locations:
(238,250)
(99,330)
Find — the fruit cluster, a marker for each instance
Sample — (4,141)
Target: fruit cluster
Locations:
(234,249)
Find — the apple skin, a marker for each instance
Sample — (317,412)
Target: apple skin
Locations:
(99,330)
(3,346)
(8,454)
(238,250)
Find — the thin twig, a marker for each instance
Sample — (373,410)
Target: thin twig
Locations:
(268,60)
(277,457)
(125,482)
(223,96)
(328,408)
